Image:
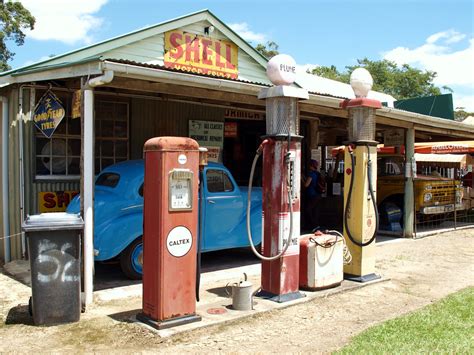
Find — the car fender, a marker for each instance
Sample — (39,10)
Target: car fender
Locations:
(255,225)
(114,235)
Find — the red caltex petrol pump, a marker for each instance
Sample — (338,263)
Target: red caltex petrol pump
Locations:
(281,150)
(360,180)
(170,220)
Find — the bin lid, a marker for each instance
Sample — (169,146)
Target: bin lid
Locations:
(53,221)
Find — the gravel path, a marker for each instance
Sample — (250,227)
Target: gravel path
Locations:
(420,271)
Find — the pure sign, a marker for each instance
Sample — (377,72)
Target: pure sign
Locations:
(200,55)
(48,113)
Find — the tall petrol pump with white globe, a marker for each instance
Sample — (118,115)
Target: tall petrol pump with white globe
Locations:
(281,149)
(170,219)
(360,180)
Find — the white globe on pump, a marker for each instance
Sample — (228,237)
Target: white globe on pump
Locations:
(281,70)
(361,82)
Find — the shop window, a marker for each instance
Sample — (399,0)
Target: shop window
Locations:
(58,157)
(111,132)
(218,181)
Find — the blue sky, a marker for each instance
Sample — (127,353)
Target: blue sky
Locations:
(427,34)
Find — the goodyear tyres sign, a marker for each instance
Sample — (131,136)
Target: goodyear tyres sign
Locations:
(48,113)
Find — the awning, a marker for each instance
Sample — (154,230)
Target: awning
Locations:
(441,158)
(445,147)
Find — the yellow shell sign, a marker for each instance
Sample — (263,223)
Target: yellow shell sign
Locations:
(201,55)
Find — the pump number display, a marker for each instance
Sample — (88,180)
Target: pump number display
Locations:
(180,190)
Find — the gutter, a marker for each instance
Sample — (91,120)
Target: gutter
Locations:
(164,76)
(5,179)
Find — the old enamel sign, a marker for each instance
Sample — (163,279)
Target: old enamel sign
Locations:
(48,113)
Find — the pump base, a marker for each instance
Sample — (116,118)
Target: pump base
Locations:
(169,323)
(280,298)
(362,279)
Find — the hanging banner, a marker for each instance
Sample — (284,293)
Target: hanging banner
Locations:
(48,113)
(200,54)
(76,104)
(230,130)
(244,115)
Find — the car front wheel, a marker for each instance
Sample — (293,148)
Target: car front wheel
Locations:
(131,260)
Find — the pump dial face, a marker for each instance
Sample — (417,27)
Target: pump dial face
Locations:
(180,194)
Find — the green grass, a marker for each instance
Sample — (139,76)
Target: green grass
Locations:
(443,327)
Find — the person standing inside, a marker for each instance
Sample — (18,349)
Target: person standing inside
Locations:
(314,187)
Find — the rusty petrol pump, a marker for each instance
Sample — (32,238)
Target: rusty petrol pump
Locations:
(360,180)
(170,232)
(281,150)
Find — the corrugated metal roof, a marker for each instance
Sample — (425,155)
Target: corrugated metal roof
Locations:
(162,67)
(327,87)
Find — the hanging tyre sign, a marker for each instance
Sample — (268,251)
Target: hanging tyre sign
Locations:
(48,113)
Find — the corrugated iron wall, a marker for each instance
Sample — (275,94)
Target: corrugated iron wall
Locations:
(151,118)
(14,173)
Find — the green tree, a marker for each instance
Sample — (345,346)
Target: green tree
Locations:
(460,114)
(401,82)
(14,19)
(330,73)
(269,50)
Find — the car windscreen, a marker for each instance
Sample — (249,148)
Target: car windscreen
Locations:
(108,179)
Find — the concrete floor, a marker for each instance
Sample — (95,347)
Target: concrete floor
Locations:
(218,270)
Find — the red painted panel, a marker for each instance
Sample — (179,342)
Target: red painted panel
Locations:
(169,282)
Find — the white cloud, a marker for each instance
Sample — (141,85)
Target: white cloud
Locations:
(454,67)
(450,35)
(68,23)
(464,101)
(244,31)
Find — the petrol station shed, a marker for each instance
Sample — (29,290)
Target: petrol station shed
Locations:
(165,79)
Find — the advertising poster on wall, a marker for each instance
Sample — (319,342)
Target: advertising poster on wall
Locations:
(210,135)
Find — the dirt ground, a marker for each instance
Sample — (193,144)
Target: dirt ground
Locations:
(420,272)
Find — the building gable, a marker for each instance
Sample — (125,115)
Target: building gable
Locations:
(147,46)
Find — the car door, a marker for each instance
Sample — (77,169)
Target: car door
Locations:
(222,211)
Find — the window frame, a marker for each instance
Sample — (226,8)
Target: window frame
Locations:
(66,98)
(223,173)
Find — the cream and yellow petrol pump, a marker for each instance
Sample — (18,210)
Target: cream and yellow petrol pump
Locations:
(360,180)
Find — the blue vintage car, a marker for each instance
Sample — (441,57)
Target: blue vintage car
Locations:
(118,215)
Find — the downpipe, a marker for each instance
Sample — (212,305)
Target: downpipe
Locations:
(5,179)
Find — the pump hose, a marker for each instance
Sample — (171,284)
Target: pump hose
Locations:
(249,232)
(374,203)
(346,254)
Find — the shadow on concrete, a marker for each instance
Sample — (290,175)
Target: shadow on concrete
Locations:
(126,317)
(221,291)
(109,275)
(19,315)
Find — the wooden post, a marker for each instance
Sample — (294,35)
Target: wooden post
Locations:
(409,205)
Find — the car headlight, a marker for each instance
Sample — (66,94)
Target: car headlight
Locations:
(428,187)
(428,197)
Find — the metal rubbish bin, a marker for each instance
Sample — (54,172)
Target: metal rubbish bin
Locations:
(54,249)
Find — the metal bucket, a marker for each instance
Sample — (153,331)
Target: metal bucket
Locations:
(242,295)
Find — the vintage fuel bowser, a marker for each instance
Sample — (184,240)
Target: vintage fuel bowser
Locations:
(281,150)
(360,180)
(170,221)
